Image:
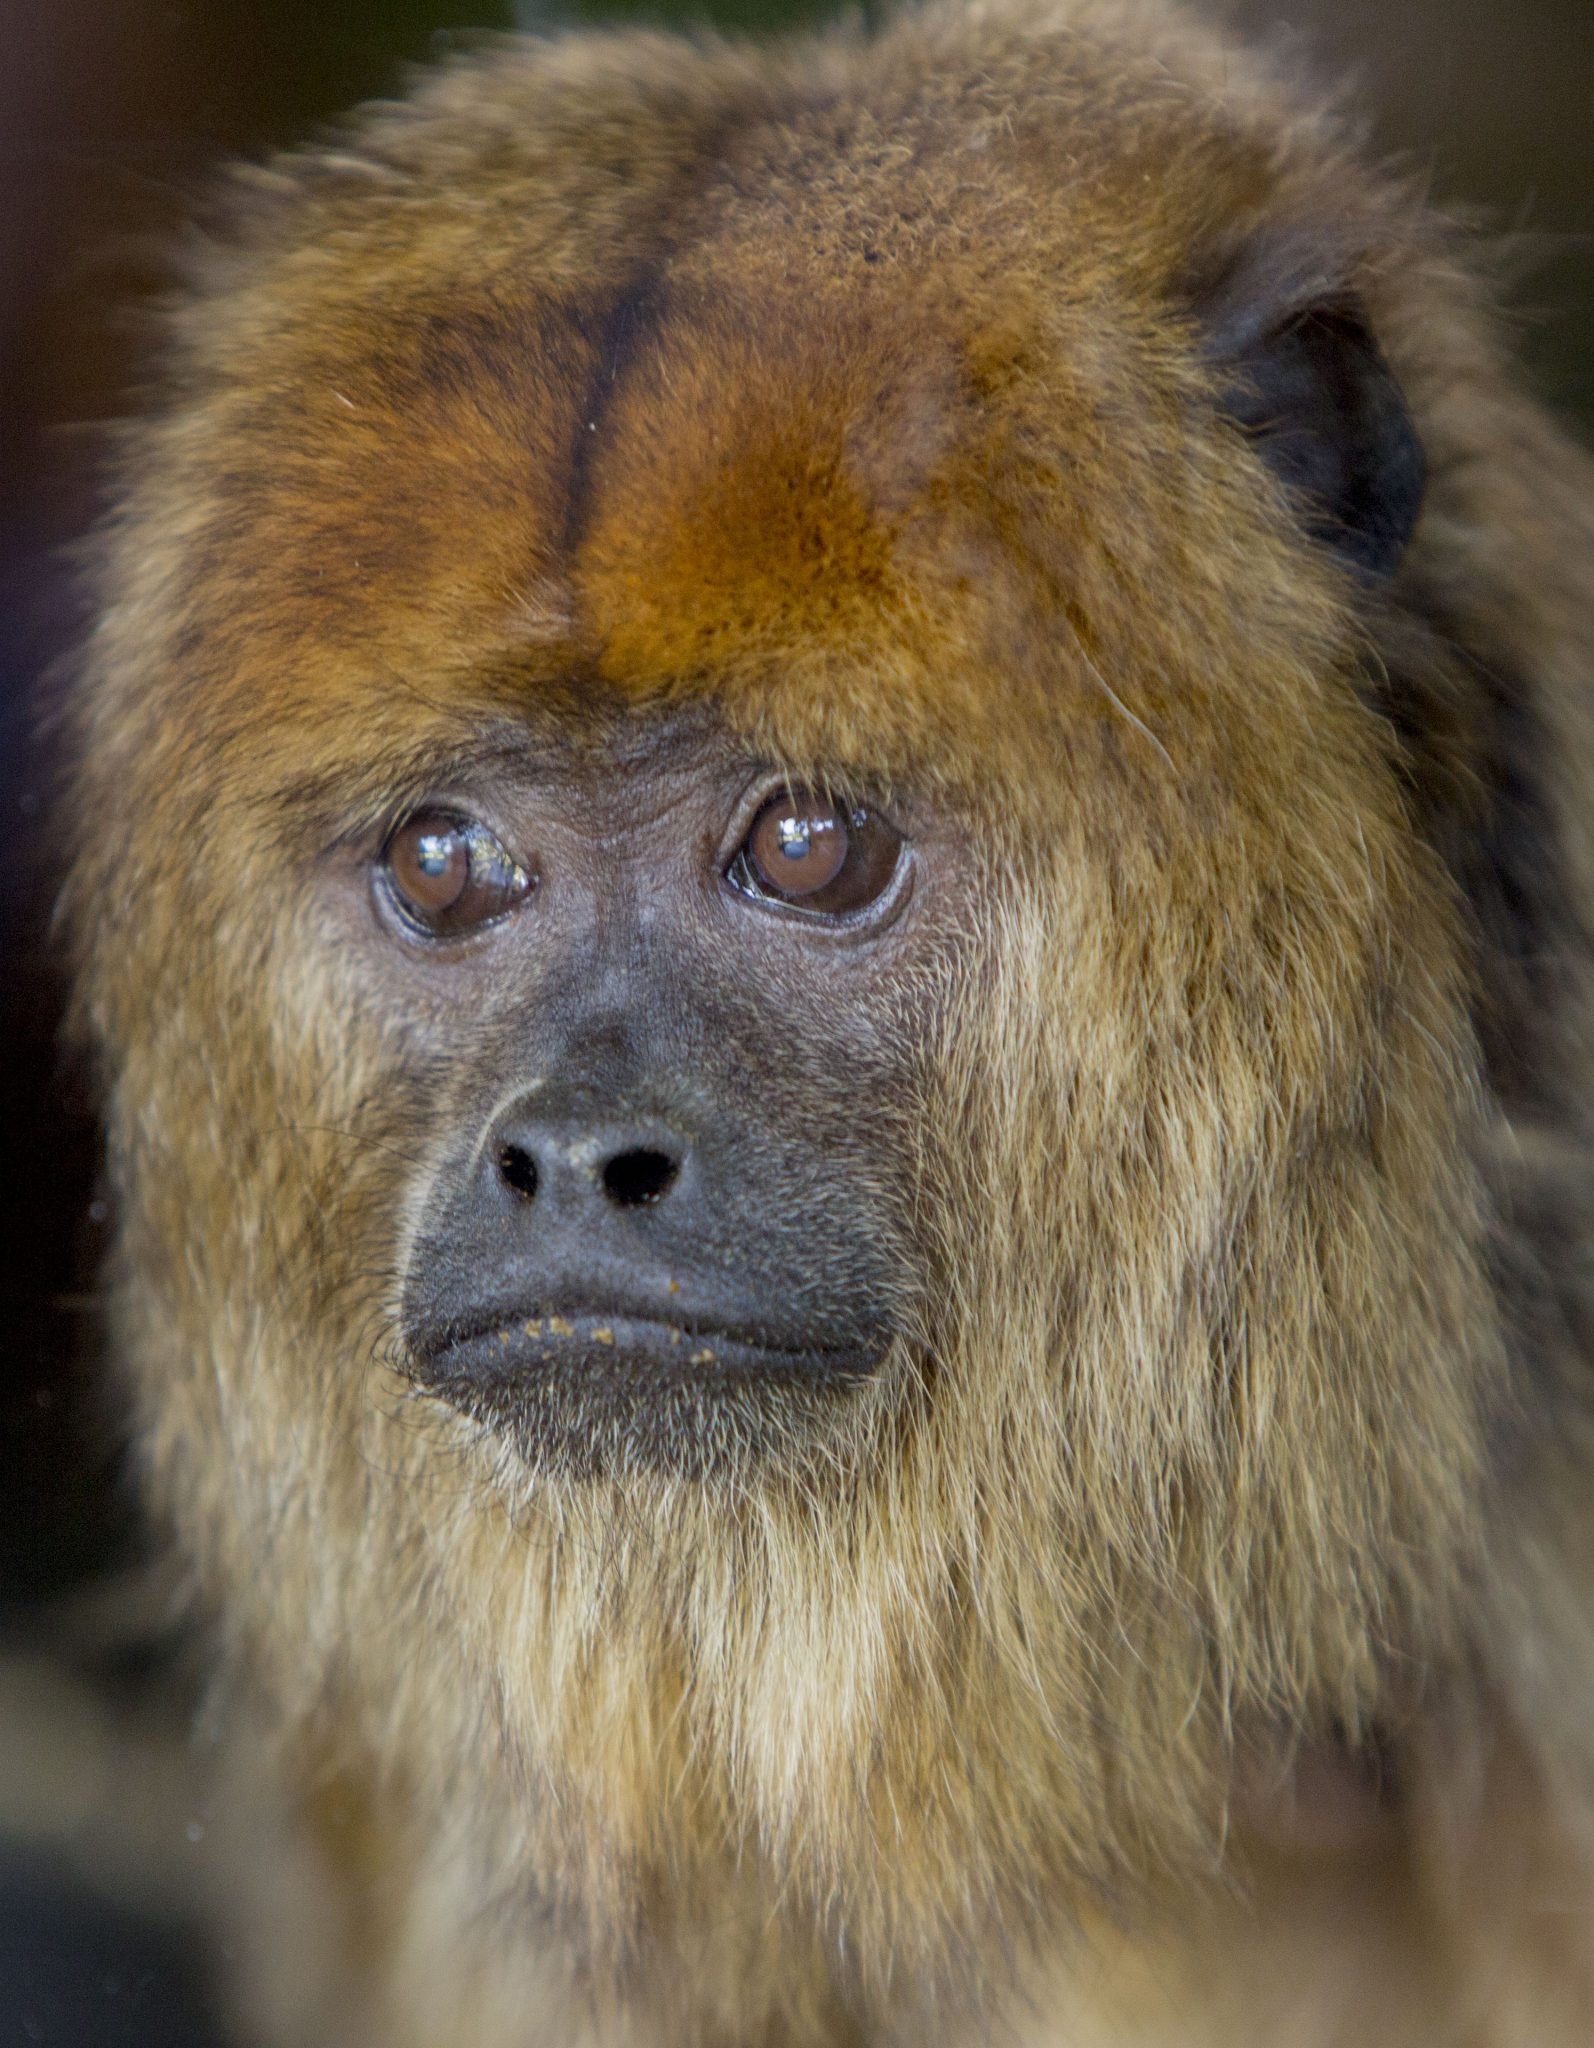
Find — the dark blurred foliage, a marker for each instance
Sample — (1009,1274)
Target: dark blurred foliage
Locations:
(77,1971)
(1495,106)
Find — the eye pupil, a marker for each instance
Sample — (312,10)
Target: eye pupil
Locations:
(433,853)
(796,838)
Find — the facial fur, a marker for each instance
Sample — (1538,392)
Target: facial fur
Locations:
(619,422)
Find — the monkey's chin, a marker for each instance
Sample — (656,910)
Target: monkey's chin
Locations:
(589,1393)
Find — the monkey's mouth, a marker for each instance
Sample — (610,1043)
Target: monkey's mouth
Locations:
(651,1349)
(589,1391)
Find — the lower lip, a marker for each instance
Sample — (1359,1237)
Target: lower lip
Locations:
(633,1345)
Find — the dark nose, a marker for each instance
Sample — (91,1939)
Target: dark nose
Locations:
(568,1164)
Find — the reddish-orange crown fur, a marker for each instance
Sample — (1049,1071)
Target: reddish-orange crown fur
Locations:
(866,387)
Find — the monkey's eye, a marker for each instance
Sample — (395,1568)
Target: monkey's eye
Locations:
(808,852)
(448,874)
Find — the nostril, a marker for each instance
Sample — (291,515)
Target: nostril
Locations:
(633,1179)
(518,1170)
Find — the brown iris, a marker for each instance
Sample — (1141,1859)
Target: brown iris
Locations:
(448,874)
(816,855)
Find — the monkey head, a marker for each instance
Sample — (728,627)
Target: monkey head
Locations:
(763,869)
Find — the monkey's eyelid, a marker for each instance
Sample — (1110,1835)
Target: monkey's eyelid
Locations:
(360,827)
(358,805)
(847,794)
(326,822)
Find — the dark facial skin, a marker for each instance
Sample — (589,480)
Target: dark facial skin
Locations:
(683,1037)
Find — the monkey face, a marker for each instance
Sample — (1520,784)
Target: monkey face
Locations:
(679,1014)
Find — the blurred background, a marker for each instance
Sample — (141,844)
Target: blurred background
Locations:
(110,113)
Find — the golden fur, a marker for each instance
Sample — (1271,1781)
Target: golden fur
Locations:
(859,385)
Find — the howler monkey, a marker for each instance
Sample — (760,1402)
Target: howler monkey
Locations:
(832,865)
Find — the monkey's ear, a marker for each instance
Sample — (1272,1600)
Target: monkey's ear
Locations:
(1302,374)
